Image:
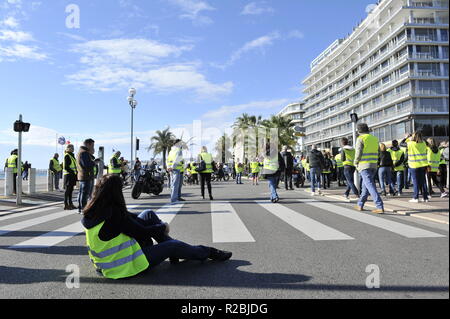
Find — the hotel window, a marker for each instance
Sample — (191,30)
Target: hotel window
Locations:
(426,126)
(444,35)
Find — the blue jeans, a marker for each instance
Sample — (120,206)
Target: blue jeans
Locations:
(84,193)
(368,187)
(238,178)
(168,247)
(385,176)
(315,178)
(176,182)
(349,173)
(419,182)
(273,186)
(400,180)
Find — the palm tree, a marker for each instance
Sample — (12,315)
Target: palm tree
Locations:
(285,129)
(161,143)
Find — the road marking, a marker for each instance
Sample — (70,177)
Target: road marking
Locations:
(31,222)
(51,238)
(306,225)
(227,227)
(168,212)
(395,227)
(40,210)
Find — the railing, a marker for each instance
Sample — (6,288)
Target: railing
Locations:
(426,74)
(429,4)
(429,92)
(425,56)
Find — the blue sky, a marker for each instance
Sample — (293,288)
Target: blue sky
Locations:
(191,60)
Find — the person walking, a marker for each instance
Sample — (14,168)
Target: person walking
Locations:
(85,172)
(273,166)
(326,172)
(418,163)
(70,176)
(26,168)
(348,156)
(434,159)
(207,164)
(366,161)
(108,225)
(398,158)
(175,167)
(239,167)
(339,170)
(385,164)
(55,168)
(137,169)
(288,167)
(443,164)
(255,169)
(315,163)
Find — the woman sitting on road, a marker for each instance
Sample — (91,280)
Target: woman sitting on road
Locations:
(120,243)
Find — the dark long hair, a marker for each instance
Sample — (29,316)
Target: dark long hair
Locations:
(107,198)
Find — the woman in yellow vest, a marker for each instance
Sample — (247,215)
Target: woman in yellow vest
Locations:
(418,163)
(434,160)
(205,175)
(120,243)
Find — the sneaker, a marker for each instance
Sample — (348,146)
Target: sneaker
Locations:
(424,200)
(444,195)
(399,195)
(313,194)
(378,211)
(413,200)
(359,208)
(219,255)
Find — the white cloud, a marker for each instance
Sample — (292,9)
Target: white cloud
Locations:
(15,36)
(19,51)
(120,63)
(254,8)
(296,34)
(10,22)
(192,10)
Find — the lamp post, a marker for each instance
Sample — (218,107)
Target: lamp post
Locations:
(133,104)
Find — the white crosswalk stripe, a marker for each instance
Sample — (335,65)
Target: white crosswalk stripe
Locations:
(227,227)
(376,221)
(306,225)
(28,213)
(168,212)
(31,222)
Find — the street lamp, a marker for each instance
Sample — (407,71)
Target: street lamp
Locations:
(133,104)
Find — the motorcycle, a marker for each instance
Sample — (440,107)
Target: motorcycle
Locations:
(148,182)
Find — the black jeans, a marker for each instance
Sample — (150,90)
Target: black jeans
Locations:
(349,172)
(205,178)
(288,180)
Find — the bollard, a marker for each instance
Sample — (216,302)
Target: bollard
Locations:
(101,171)
(32,181)
(50,186)
(9,182)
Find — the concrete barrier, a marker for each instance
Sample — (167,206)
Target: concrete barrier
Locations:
(50,181)
(9,182)
(32,181)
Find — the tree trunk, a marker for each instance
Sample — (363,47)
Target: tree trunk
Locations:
(164,158)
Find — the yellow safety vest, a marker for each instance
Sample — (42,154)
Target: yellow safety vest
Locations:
(433,160)
(442,159)
(112,169)
(370,151)
(338,159)
(417,154)
(192,169)
(271,166)
(12,163)
(119,257)
(349,157)
(396,156)
(56,165)
(208,159)
(173,154)
(238,168)
(254,167)
(73,164)
(305,165)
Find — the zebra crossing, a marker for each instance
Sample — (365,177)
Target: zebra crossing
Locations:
(226,223)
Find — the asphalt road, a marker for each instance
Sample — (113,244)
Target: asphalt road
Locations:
(304,247)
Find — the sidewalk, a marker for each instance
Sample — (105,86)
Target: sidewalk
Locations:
(437,210)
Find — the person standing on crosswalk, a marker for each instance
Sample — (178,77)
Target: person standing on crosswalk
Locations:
(175,167)
(115,164)
(366,162)
(347,158)
(70,176)
(316,163)
(12,163)
(85,172)
(207,164)
(120,244)
(254,170)
(273,166)
(55,168)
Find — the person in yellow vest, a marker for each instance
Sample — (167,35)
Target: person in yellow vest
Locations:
(254,170)
(398,157)
(348,157)
(239,167)
(70,176)
(339,170)
(434,160)
(175,166)
(418,163)
(273,166)
(12,162)
(120,244)
(305,166)
(56,169)
(206,161)
(115,164)
(366,162)
(194,173)
(444,150)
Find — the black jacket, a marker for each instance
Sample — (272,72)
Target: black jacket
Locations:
(315,159)
(385,159)
(288,160)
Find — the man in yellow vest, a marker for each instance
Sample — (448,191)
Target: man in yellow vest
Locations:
(115,164)
(205,175)
(175,166)
(70,176)
(366,162)
(239,167)
(398,157)
(255,169)
(339,170)
(12,162)
(56,169)
(348,157)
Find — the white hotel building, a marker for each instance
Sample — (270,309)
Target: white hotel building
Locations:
(392,70)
